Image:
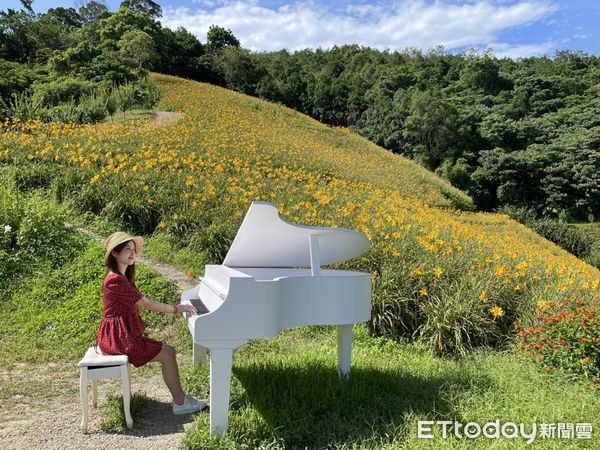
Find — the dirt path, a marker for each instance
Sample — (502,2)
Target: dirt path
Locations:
(164,118)
(41,407)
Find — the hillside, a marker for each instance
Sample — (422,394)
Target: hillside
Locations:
(194,179)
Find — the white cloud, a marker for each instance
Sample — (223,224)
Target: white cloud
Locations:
(392,25)
(502,50)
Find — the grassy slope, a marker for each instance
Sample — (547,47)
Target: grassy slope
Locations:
(237,124)
(590,228)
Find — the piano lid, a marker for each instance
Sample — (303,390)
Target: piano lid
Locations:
(266,240)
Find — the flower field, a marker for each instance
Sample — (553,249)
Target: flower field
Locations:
(442,274)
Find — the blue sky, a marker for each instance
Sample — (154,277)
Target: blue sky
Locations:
(513,28)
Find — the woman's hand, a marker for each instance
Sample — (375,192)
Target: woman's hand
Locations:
(181,308)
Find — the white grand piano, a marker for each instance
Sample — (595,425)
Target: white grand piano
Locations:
(272,279)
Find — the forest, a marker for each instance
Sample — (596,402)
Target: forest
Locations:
(520,136)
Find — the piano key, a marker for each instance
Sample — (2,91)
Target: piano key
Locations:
(200,307)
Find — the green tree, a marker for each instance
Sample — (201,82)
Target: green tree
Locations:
(138,47)
(17,40)
(177,53)
(482,73)
(218,38)
(92,11)
(112,29)
(239,69)
(430,129)
(152,9)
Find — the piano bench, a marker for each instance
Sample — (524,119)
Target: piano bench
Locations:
(95,366)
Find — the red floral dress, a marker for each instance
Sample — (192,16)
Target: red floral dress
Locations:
(121,330)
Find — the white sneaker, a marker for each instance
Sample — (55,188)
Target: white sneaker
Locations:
(190,405)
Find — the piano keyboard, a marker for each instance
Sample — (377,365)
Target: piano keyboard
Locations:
(200,307)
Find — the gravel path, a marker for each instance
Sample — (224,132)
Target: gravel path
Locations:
(54,423)
(44,411)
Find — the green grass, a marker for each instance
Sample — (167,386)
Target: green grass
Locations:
(592,229)
(113,415)
(286,393)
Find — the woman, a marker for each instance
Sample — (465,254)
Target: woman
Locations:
(121,329)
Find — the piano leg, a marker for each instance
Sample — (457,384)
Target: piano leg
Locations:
(220,384)
(344,349)
(198,354)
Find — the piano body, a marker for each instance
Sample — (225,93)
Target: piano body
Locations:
(271,279)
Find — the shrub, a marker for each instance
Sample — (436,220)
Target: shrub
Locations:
(93,108)
(62,90)
(111,101)
(67,112)
(23,106)
(41,230)
(133,214)
(146,93)
(17,77)
(214,241)
(125,96)
(34,175)
(31,230)
(565,335)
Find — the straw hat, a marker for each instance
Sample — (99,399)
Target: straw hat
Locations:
(118,238)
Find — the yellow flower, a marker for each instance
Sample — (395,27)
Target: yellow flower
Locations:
(416,272)
(497,311)
(95,179)
(483,297)
(189,273)
(423,292)
(501,271)
(161,224)
(585,360)
(438,272)
(541,303)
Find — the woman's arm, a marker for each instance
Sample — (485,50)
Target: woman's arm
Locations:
(164,307)
(155,306)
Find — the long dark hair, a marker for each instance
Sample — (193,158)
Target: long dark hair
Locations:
(112,264)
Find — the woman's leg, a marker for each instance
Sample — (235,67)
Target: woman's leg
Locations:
(170,372)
